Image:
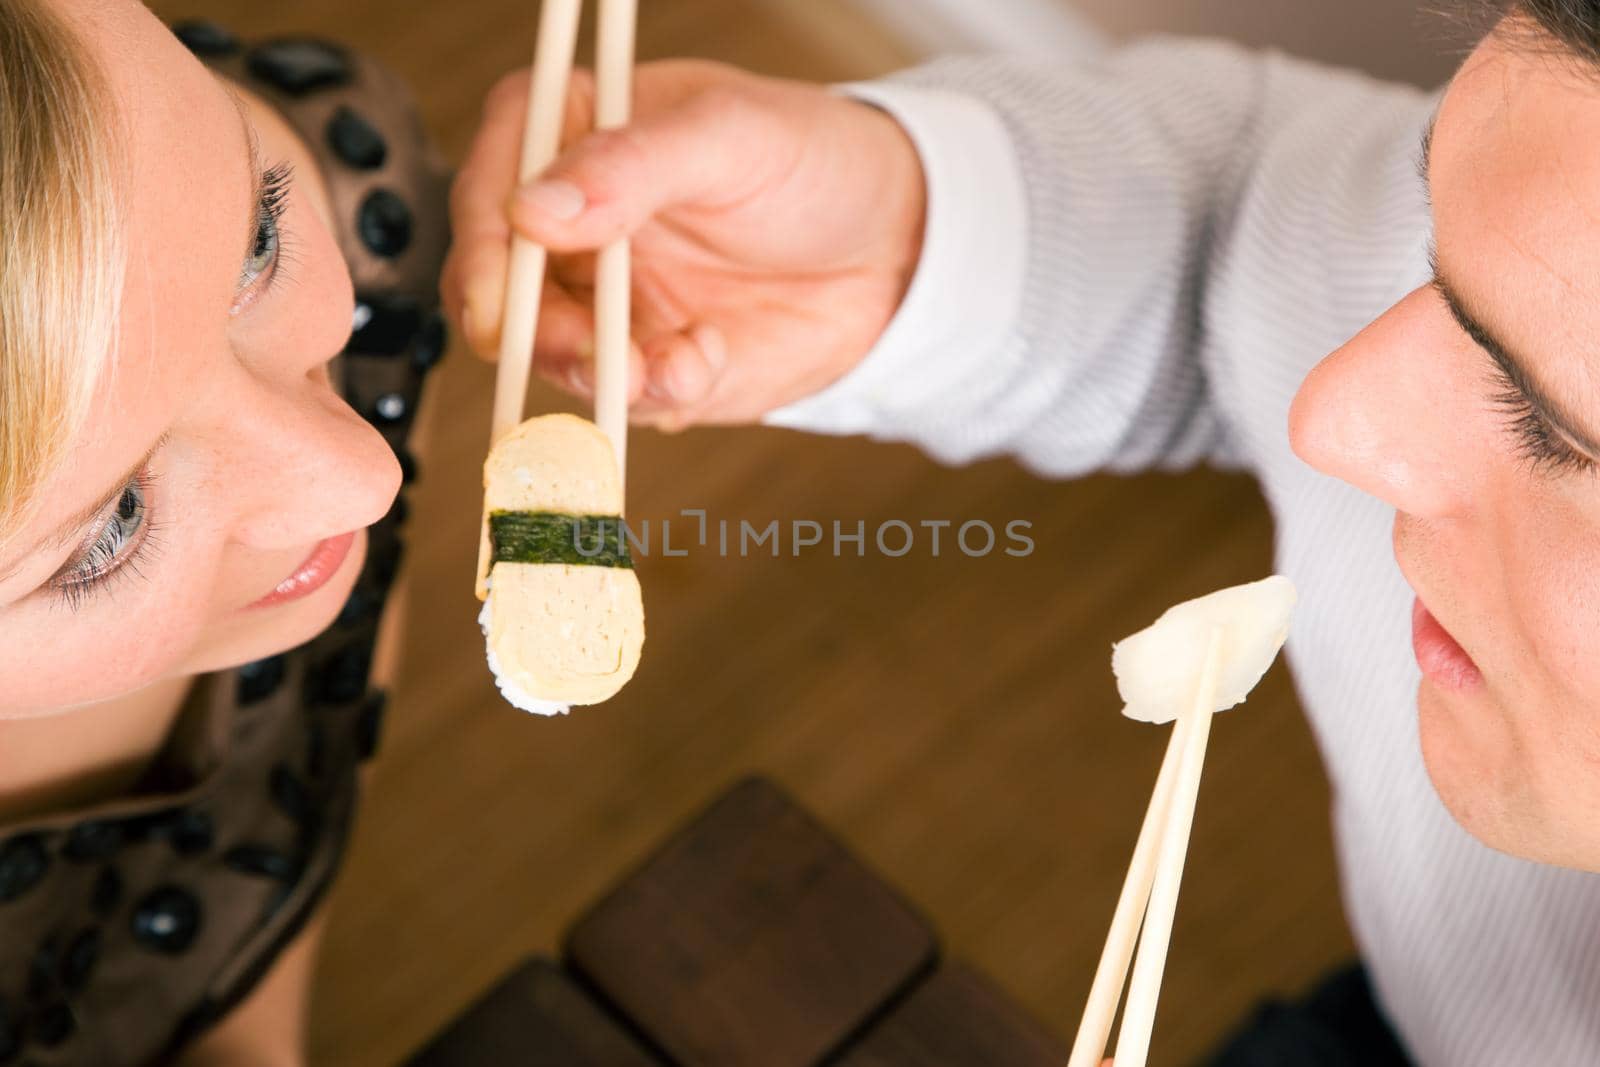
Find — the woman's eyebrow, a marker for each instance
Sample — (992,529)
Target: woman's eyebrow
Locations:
(252,147)
(1425,155)
(1542,402)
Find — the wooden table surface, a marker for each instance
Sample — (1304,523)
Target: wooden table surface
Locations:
(952,719)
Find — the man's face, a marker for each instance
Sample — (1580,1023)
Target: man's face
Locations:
(1473,407)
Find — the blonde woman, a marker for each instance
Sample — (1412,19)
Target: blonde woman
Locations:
(199,465)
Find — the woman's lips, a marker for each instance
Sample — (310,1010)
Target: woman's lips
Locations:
(314,573)
(1441,658)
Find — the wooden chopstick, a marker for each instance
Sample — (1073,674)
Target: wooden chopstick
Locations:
(1088,1049)
(1138,1015)
(541,142)
(613,99)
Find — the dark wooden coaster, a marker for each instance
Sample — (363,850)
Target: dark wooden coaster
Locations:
(534,1017)
(751,938)
(956,1019)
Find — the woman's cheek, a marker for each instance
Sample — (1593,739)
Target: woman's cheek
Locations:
(139,629)
(88,663)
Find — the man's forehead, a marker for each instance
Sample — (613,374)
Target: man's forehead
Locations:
(1515,190)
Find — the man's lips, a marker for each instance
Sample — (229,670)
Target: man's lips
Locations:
(1441,657)
(323,563)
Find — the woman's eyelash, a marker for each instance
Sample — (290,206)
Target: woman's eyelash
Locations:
(275,184)
(269,243)
(106,559)
(1537,442)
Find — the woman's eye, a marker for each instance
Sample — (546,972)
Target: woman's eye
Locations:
(262,253)
(267,242)
(115,547)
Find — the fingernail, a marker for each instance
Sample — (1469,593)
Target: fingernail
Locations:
(685,378)
(712,345)
(561,200)
(654,386)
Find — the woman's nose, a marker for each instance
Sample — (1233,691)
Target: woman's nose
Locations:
(1381,413)
(309,468)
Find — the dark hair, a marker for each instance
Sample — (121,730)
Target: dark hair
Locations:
(1574,24)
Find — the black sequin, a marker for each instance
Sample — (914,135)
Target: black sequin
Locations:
(290,795)
(167,920)
(356,141)
(359,606)
(369,726)
(384,223)
(258,680)
(389,408)
(10,1033)
(399,511)
(106,893)
(23,863)
(297,65)
(261,862)
(77,963)
(52,1024)
(431,340)
(92,841)
(341,677)
(206,38)
(189,831)
(43,968)
(385,324)
(385,559)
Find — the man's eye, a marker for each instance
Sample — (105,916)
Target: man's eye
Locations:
(1534,439)
(265,246)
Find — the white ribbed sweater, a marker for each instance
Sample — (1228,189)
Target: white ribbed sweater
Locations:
(1132,262)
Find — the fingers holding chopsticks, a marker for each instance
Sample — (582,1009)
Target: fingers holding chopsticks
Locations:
(472,285)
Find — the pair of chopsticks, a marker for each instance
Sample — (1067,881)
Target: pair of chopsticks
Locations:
(1150,891)
(541,142)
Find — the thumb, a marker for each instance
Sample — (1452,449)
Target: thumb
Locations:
(611,182)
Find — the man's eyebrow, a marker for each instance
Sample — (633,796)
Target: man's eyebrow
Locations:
(75,523)
(252,161)
(1542,402)
(1425,152)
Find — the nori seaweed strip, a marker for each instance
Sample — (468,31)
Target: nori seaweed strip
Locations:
(551,537)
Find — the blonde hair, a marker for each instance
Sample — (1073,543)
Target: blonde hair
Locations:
(61,247)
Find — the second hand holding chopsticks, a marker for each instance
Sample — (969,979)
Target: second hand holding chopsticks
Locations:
(1240,630)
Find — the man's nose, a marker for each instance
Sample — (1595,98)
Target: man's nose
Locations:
(1384,412)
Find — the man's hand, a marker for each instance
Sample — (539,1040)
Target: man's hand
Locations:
(775,228)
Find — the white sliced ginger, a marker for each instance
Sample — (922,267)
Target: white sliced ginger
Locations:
(559,634)
(1158,668)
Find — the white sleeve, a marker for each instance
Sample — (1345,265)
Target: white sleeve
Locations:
(1079,218)
(967,288)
